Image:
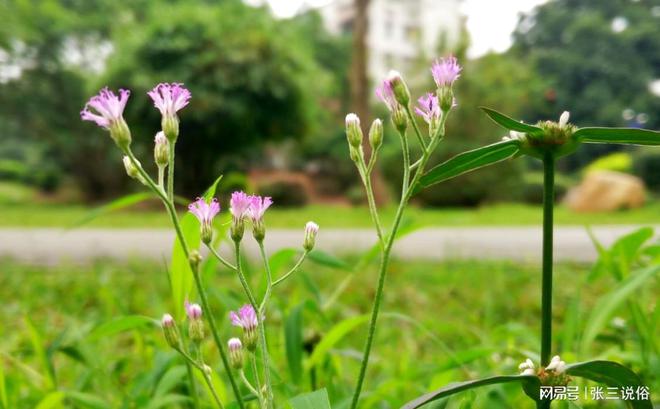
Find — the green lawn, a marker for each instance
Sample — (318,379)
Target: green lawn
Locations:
(442,322)
(42,215)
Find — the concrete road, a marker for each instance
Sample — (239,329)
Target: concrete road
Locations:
(50,246)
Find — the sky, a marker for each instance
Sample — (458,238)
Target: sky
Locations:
(490,22)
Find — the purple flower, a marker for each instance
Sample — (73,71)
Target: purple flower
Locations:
(194,311)
(428,108)
(169,98)
(245,318)
(205,212)
(258,206)
(167,321)
(234,344)
(445,71)
(239,204)
(108,108)
(385,93)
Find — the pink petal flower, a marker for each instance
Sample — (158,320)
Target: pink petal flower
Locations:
(169,98)
(258,206)
(194,311)
(428,108)
(245,318)
(386,94)
(106,107)
(239,204)
(205,212)
(446,71)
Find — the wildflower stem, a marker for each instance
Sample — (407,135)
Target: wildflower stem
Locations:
(247,384)
(161,177)
(546,290)
(193,388)
(209,383)
(373,209)
(170,173)
(385,258)
(261,326)
(169,205)
(418,133)
(405,150)
(220,258)
(293,269)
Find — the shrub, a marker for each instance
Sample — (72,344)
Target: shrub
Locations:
(618,162)
(285,193)
(646,165)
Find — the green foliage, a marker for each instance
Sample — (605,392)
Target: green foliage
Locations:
(313,400)
(646,165)
(618,162)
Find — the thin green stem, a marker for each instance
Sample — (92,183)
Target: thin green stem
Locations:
(161,177)
(385,258)
(209,383)
(220,258)
(293,269)
(170,173)
(248,385)
(169,205)
(546,290)
(373,209)
(193,387)
(418,133)
(405,150)
(255,370)
(262,332)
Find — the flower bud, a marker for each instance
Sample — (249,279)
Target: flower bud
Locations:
(376,134)
(399,87)
(446,97)
(311,230)
(195,258)
(400,119)
(563,119)
(353,130)
(356,153)
(120,133)
(208,371)
(170,331)
(195,322)
(237,229)
(236,357)
(131,170)
(170,125)
(161,150)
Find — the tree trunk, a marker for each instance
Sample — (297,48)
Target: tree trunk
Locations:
(359,85)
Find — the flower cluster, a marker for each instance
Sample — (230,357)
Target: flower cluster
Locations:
(553,374)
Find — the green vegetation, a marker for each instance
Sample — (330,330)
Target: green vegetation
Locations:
(506,214)
(476,332)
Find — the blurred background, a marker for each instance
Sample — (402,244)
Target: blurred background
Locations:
(271,82)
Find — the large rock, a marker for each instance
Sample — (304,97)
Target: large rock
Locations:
(606,191)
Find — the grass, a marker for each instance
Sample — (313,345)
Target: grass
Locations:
(443,322)
(43,215)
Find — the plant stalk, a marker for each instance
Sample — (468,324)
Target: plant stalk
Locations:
(546,289)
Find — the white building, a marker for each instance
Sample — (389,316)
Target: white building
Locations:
(402,33)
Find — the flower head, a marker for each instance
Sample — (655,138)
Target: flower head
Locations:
(311,230)
(170,331)
(445,71)
(106,110)
(428,108)
(235,352)
(353,130)
(167,320)
(161,149)
(239,205)
(258,206)
(527,367)
(169,98)
(386,94)
(563,119)
(205,212)
(556,365)
(194,311)
(245,318)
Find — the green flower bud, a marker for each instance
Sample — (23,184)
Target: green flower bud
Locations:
(376,134)
(236,356)
(161,150)
(399,88)
(400,119)
(353,130)
(170,331)
(120,133)
(170,125)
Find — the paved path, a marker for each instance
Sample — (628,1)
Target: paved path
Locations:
(49,246)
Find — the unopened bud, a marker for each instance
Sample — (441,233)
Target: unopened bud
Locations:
(258,230)
(161,150)
(131,170)
(195,322)
(195,258)
(170,331)
(208,371)
(236,357)
(399,87)
(311,230)
(563,119)
(400,119)
(376,134)
(237,229)
(353,130)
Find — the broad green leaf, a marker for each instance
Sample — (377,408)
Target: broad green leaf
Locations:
(181,278)
(170,379)
(633,136)
(86,400)
(457,387)
(313,400)
(117,204)
(611,374)
(510,123)
(293,338)
(51,401)
(336,333)
(469,161)
(120,324)
(604,308)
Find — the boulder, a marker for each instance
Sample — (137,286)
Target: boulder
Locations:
(606,191)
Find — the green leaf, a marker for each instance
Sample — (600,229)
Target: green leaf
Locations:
(338,331)
(170,379)
(633,136)
(313,400)
(120,324)
(510,123)
(611,374)
(40,352)
(457,387)
(86,400)
(51,401)
(604,308)
(167,401)
(327,260)
(293,338)
(117,204)
(469,161)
